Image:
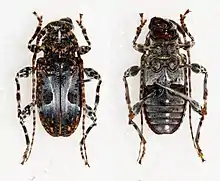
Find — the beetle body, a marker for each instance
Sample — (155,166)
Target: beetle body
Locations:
(58,85)
(163,110)
(59,98)
(165,80)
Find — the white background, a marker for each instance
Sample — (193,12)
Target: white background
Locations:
(113,145)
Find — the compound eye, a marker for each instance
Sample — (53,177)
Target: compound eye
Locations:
(173,64)
(156,65)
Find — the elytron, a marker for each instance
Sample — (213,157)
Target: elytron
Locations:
(165,80)
(58,83)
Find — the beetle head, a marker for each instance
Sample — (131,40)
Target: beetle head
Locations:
(59,36)
(162,29)
(63,25)
(68,22)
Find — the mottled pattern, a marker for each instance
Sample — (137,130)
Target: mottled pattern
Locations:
(59,101)
(58,84)
(165,80)
(163,66)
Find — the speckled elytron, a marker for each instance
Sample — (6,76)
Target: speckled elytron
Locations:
(165,80)
(58,84)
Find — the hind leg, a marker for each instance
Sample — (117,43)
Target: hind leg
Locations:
(91,112)
(202,110)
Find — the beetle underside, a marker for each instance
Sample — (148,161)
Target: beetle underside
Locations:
(165,80)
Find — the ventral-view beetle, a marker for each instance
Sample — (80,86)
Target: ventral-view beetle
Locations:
(165,80)
(58,83)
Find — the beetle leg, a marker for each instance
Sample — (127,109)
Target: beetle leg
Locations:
(22,114)
(196,107)
(196,68)
(37,31)
(91,73)
(84,49)
(23,73)
(132,71)
(26,112)
(138,106)
(187,48)
(185,45)
(183,26)
(200,69)
(141,95)
(196,141)
(35,49)
(83,149)
(139,47)
(91,114)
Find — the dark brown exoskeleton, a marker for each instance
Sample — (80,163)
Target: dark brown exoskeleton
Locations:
(58,84)
(165,80)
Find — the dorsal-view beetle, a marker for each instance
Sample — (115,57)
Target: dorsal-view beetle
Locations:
(165,80)
(58,84)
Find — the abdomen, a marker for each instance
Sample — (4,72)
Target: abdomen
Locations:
(165,111)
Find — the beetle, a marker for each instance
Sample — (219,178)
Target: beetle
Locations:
(58,83)
(165,80)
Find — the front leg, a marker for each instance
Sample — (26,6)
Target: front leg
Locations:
(83,49)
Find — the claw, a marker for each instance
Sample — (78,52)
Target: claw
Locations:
(201,156)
